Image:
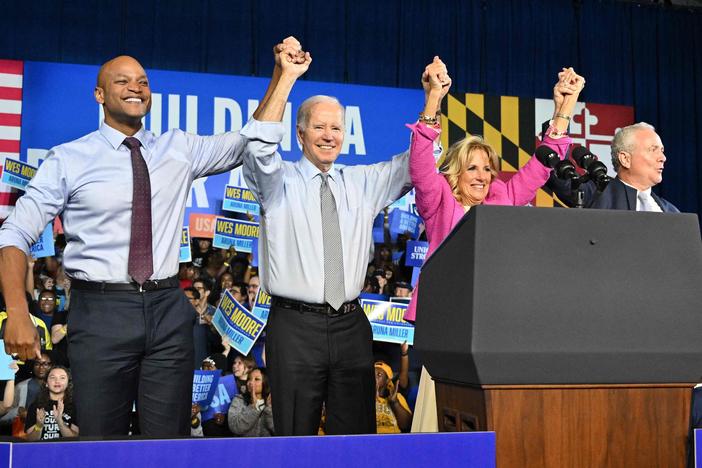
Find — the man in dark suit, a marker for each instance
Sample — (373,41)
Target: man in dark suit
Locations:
(638,158)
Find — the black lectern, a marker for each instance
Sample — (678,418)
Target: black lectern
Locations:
(566,330)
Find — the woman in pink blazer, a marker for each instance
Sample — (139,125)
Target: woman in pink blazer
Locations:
(467,175)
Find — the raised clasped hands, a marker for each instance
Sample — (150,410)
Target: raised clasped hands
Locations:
(436,77)
(290,57)
(569,84)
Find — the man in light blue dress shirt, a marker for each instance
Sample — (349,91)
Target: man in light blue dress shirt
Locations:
(128,340)
(318,355)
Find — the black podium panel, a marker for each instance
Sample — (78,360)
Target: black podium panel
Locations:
(520,295)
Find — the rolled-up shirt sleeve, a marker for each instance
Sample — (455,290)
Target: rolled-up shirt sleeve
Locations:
(216,153)
(44,199)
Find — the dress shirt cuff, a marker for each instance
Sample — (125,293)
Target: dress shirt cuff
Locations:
(267,132)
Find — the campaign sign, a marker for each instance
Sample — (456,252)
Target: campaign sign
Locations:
(387,321)
(241,200)
(185,252)
(402,222)
(416,251)
(204,387)
(232,320)
(254,254)
(6,373)
(17,174)
(226,390)
(235,232)
(201,225)
(44,246)
(262,305)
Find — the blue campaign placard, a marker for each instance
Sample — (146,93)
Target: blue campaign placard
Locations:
(6,373)
(402,222)
(204,387)
(254,254)
(415,276)
(240,326)
(416,252)
(44,247)
(262,305)
(235,232)
(226,390)
(387,321)
(241,200)
(185,252)
(17,174)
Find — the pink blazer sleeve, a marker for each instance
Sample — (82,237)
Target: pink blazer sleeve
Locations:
(427,182)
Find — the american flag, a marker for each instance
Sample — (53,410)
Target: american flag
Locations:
(11,72)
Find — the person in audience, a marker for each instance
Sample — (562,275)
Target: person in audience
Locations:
(252,290)
(53,415)
(250,413)
(392,414)
(241,368)
(48,304)
(26,391)
(240,292)
(403,289)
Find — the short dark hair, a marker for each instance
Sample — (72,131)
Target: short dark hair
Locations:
(196,293)
(207,284)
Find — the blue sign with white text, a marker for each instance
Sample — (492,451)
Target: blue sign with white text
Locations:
(204,387)
(402,222)
(387,321)
(208,104)
(416,251)
(222,398)
(262,305)
(44,246)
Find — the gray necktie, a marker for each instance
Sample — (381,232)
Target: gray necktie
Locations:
(646,203)
(334,293)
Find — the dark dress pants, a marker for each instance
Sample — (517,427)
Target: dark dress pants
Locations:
(313,359)
(127,346)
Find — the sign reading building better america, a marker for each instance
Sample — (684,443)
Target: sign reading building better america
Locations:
(235,232)
(185,252)
(387,321)
(241,200)
(240,326)
(44,246)
(17,174)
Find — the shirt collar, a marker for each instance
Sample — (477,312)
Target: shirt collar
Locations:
(116,138)
(647,191)
(309,170)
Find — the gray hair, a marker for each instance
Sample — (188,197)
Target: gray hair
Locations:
(305,109)
(622,141)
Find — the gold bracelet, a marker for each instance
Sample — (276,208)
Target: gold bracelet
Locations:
(38,427)
(563,116)
(429,120)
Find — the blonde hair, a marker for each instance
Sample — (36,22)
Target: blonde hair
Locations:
(457,159)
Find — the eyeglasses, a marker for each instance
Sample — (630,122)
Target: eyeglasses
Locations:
(47,299)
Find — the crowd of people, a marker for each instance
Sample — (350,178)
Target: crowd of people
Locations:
(38,403)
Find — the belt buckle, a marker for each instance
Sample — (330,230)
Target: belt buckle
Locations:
(148,285)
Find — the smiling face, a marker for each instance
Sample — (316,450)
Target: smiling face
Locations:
(255,383)
(474,182)
(57,382)
(123,90)
(323,135)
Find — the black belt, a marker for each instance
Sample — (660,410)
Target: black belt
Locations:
(324,309)
(151,285)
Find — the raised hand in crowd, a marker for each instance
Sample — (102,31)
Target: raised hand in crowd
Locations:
(436,83)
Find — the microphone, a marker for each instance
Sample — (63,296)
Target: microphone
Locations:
(596,170)
(547,156)
(566,170)
(583,157)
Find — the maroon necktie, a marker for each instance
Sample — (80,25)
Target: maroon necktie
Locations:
(141,262)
